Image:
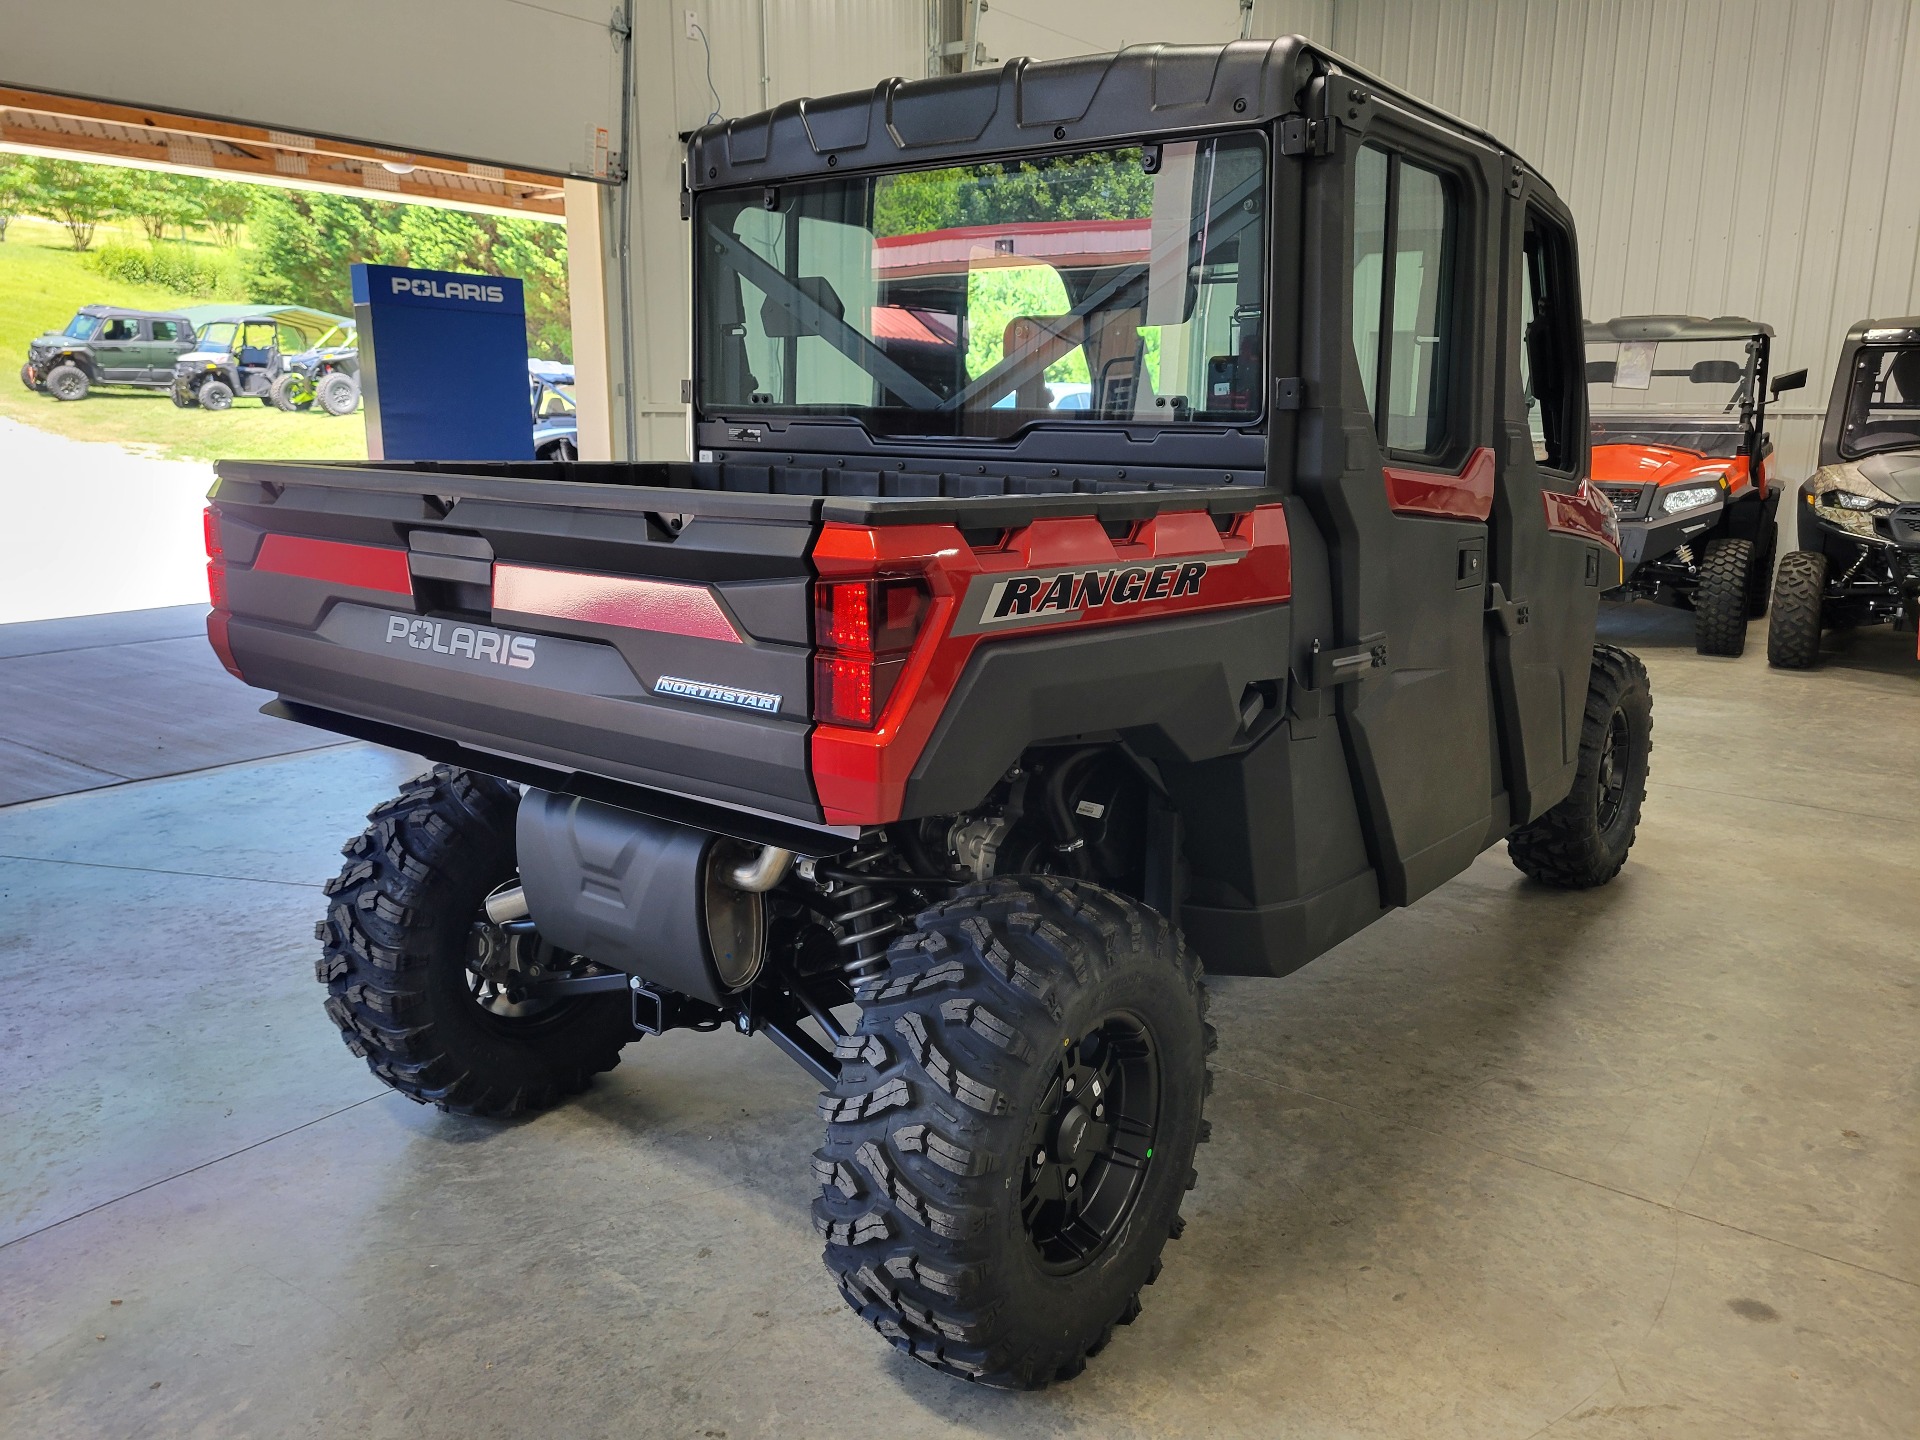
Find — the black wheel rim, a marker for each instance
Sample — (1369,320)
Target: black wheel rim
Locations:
(1615,749)
(1091,1144)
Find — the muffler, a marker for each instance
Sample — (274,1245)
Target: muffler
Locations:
(681,908)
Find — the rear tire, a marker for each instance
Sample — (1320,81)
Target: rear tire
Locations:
(68,382)
(1583,841)
(291,392)
(1720,599)
(400,920)
(216,395)
(1030,1030)
(183,396)
(1799,594)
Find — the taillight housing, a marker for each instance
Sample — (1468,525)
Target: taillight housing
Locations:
(865,630)
(218,616)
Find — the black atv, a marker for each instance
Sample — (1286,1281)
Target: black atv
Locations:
(1859,556)
(329,373)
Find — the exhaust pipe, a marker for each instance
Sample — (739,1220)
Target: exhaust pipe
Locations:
(762,873)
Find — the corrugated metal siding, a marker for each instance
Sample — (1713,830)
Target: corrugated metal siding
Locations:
(1756,157)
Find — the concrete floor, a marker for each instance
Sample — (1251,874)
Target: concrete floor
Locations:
(98,700)
(1641,1162)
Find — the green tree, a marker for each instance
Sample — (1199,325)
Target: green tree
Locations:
(162,201)
(77,195)
(13,190)
(224,205)
(303,244)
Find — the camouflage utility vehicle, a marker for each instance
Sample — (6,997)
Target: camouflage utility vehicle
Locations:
(1138,518)
(1859,516)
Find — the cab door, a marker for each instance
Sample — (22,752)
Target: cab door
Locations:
(1545,583)
(118,351)
(162,344)
(1402,477)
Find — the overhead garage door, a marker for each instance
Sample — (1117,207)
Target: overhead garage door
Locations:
(501,82)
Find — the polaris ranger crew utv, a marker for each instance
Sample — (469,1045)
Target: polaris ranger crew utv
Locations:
(1138,517)
(1859,516)
(1680,446)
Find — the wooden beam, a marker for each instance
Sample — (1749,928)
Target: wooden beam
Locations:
(321,162)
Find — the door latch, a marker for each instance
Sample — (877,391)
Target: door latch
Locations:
(1355,662)
(1509,615)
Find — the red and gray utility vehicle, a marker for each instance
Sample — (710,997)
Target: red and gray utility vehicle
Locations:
(1680,446)
(1138,518)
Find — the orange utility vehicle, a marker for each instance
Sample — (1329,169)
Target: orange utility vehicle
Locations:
(1680,446)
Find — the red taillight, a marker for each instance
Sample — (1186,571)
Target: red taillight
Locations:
(864,628)
(216,560)
(218,617)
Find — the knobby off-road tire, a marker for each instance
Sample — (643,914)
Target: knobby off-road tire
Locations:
(1720,600)
(338,394)
(399,921)
(26,377)
(944,1226)
(1799,592)
(216,395)
(68,382)
(1583,841)
(291,392)
(1760,575)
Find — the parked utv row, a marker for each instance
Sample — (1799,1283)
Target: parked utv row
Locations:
(206,356)
(939,723)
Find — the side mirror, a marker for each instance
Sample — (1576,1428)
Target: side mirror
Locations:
(1792,380)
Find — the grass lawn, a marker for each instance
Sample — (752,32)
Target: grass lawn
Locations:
(42,282)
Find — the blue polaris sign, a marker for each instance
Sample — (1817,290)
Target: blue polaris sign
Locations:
(443,364)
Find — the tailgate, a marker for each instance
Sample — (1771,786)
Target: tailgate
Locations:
(659,638)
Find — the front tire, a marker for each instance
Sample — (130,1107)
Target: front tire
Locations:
(68,382)
(1799,594)
(216,395)
(338,393)
(397,942)
(1721,599)
(1583,841)
(291,392)
(1013,1128)
(26,377)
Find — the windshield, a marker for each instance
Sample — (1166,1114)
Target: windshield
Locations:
(217,336)
(1690,394)
(1113,285)
(81,327)
(550,400)
(1883,403)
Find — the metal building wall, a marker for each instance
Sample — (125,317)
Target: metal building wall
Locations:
(1754,157)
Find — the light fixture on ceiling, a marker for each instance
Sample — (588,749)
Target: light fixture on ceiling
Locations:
(396,167)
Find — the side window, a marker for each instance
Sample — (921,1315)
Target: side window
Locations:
(1551,355)
(166,330)
(118,329)
(1406,224)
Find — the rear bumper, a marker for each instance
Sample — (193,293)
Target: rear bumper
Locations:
(581,711)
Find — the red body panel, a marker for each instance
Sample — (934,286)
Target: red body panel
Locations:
(1467,495)
(665,606)
(1585,513)
(364,567)
(1670,465)
(1175,564)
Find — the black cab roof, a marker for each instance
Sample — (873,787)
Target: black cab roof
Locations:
(1675,327)
(1090,100)
(1900,330)
(110,311)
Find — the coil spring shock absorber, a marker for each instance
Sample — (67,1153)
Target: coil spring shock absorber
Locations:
(867,919)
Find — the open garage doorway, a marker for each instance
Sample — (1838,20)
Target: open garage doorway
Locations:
(128,235)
